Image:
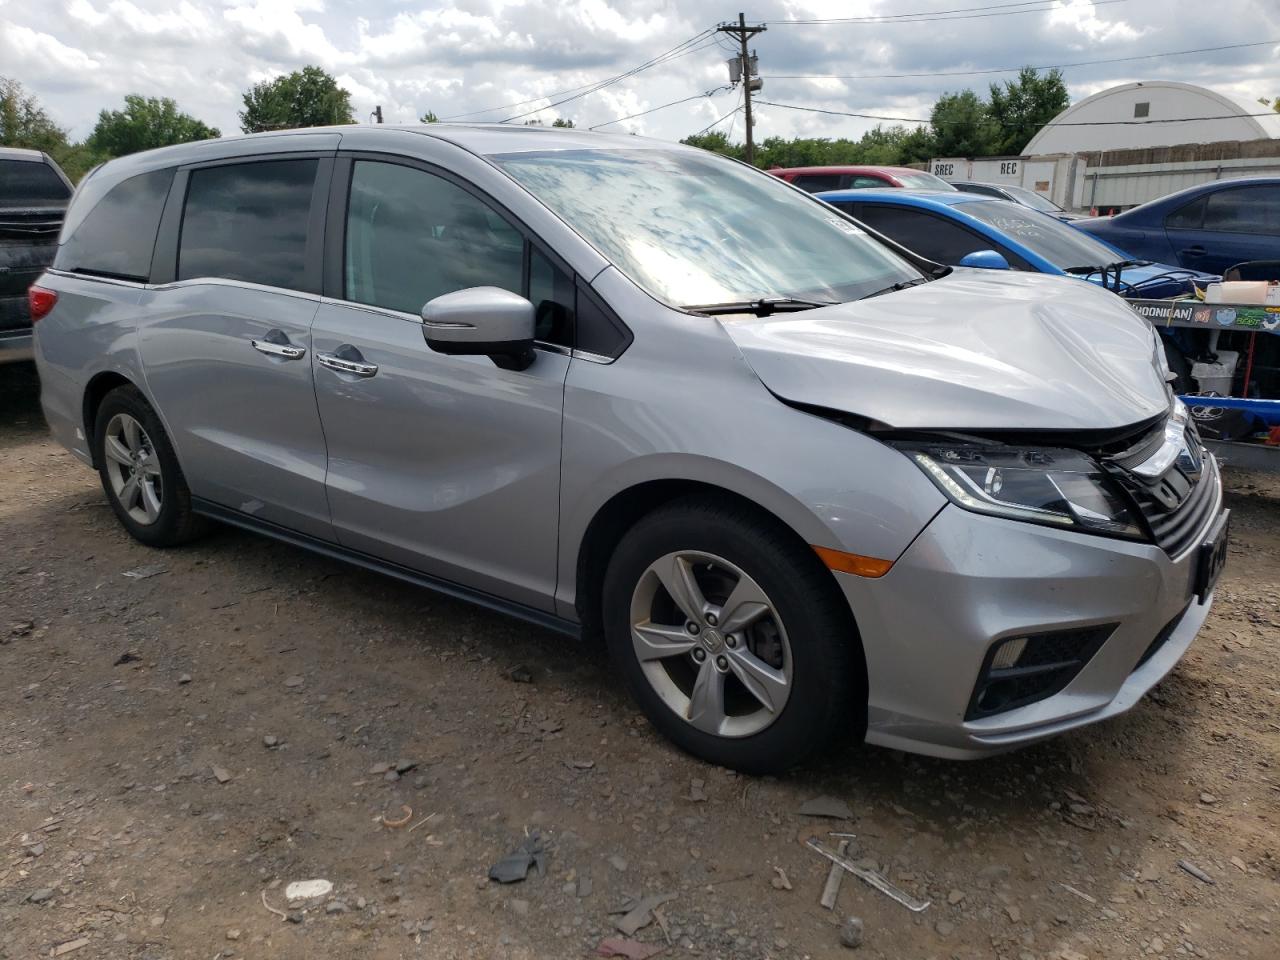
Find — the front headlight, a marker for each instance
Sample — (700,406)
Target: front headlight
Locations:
(1057,488)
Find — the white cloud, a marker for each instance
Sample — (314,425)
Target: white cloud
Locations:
(459,56)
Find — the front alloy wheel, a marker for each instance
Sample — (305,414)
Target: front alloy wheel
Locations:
(711,643)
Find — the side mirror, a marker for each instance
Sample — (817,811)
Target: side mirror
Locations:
(985,260)
(487,321)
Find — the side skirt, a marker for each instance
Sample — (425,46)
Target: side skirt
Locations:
(518,610)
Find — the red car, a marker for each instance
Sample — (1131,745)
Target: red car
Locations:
(817,179)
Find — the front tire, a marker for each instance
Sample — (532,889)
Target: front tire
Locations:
(140,472)
(732,636)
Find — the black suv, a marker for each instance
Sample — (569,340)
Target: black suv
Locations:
(33,199)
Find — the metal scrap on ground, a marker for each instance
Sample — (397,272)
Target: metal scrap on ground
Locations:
(870,877)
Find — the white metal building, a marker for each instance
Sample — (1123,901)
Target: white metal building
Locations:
(1156,102)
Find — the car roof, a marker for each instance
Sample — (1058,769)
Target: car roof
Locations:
(841,168)
(21,153)
(926,199)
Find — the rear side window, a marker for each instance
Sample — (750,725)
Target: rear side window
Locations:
(817,182)
(117,237)
(30,183)
(1244,210)
(1187,217)
(248,221)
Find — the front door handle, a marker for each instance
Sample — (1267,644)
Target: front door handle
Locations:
(344,365)
(1196,251)
(272,347)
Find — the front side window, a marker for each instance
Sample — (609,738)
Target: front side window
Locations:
(249,222)
(694,229)
(925,233)
(1244,210)
(413,236)
(117,235)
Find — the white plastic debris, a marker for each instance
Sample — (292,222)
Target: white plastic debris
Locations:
(307,890)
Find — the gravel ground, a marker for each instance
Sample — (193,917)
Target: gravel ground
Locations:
(175,749)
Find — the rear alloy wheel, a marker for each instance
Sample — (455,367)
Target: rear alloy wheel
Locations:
(732,636)
(140,472)
(133,470)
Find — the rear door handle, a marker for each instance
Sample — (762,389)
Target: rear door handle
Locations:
(1196,251)
(343,365)
(276,344)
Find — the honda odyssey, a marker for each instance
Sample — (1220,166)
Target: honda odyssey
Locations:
(806,484)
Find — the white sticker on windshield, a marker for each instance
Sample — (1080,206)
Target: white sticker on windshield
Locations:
(844,225)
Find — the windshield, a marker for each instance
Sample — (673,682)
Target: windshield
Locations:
(1062,245)
(30,183)
(692,228)
(923,181)
(1029,198)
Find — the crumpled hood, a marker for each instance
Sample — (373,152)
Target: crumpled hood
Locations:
(976,350)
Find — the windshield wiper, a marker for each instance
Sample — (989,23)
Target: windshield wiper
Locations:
(762,307)
(895,287)
(1110,273)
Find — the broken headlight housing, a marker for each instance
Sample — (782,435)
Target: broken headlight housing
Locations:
(1056,488)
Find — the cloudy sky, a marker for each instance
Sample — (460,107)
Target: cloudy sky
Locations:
(458,56)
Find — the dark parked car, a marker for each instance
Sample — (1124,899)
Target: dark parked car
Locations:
(1028,198)
(1208,227)
(816,179)
(33,198)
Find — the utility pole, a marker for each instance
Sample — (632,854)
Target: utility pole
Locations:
(377,114)
(747,72)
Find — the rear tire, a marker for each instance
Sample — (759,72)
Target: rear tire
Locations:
(140,472)
(784,685)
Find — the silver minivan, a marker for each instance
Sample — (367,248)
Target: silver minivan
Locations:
(805,484)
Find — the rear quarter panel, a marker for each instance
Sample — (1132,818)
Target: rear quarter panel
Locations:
(91,330)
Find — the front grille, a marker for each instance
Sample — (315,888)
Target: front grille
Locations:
(1048,662)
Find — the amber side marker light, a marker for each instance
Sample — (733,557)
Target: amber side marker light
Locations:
(853,562)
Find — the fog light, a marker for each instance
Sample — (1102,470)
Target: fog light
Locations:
(1008,654)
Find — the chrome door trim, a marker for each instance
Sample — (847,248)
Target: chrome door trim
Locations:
(283,350)
(359,368)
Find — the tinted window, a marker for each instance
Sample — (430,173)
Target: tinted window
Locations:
(1187,217)
(27,183)
(412,236)
(923,181)
(926,234)
(862,183)
(118,235)
(1244,210)
(552,295)
(248,221)
(817,182)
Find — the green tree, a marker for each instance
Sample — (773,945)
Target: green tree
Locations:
(143,124)
(429,117)
(305,98)
(962,127)
(562,122)
(24,123)
(716,142)
(1019,108)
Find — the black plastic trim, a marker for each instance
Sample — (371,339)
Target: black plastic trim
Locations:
(337,552)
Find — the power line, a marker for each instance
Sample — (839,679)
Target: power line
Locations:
(919,13)
(720,119)
(661,58)
(1051,66)
(1069,123)
(938,18)
(551,96)
(644,113)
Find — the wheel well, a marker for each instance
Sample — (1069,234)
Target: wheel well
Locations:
(98,388)
(622,512)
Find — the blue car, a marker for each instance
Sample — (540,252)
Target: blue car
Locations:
(1210,227)
(964,229)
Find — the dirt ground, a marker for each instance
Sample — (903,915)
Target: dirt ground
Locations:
(176,748)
